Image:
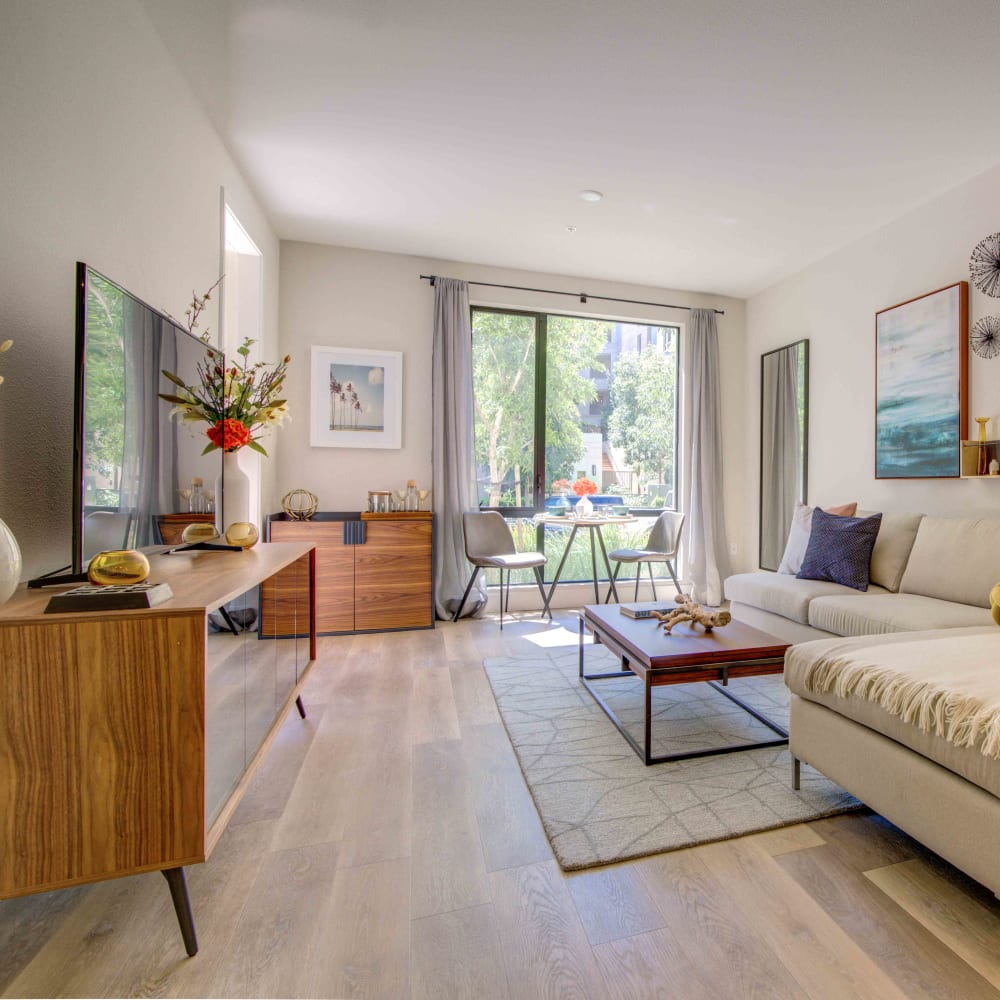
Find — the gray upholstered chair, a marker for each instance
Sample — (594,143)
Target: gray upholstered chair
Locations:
(490,545)
(661,546)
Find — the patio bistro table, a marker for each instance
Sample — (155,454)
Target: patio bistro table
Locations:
(594,525)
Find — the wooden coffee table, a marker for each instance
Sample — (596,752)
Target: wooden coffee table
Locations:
(689,654)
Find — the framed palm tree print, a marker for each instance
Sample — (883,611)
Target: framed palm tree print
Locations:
(356,398)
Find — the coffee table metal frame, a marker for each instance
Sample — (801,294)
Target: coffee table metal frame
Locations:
(657,676)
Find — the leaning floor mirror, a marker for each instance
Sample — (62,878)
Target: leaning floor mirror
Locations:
(784,435)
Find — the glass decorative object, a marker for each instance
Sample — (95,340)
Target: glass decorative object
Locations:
(10,563)
(118,566)
(242,533)
(200,532)
(983,464)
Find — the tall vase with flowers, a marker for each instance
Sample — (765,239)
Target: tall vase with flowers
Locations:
(240,401)
(10,552)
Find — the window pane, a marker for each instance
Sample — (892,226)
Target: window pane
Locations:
(503,380)
(610,410)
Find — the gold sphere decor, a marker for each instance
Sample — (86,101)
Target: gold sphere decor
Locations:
(120,566)
(299,505)
(200,532)
(242,533)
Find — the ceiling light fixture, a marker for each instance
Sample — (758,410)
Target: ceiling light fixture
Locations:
(590,195)
(571,229)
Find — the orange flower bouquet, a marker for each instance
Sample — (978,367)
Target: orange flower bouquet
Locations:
(240,401)
(584,487)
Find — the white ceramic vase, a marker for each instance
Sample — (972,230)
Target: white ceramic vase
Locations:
(10,563)
(232,493)
(584,508)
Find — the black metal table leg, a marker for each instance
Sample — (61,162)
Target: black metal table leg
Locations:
(182,907)
(607,566)
(644,750)
(562,562)
(593,562)
(300,707)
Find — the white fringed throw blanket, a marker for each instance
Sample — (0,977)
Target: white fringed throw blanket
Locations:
(945,682)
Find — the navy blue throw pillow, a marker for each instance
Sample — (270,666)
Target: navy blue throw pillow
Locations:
(840,549)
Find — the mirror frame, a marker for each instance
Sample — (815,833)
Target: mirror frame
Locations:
(760,441)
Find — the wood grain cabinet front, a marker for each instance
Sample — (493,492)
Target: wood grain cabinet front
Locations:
(127,738)
(373,574)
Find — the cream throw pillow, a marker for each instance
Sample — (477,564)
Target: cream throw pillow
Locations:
(798,534)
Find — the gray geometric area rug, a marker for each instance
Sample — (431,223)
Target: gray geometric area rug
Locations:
(599,803)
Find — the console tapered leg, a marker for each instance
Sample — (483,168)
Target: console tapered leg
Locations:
(182,907)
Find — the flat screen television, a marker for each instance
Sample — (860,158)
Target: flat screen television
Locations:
(131,460)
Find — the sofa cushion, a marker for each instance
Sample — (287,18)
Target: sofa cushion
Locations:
(881,614)
(892,548)
(840,549)
(798,534)
(784,595)
(955,559)
(969,762)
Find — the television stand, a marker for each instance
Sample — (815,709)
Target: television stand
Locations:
(117,727)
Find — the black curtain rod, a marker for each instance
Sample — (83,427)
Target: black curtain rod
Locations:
(582,296)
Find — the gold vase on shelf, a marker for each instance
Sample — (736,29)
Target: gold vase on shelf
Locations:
(983,463)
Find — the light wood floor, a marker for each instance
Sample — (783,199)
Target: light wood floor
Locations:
(389,848)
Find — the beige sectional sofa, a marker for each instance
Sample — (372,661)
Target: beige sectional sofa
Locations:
(926,573)
(900,702)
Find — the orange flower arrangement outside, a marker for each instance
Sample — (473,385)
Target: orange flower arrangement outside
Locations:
(240,401)
(584,487)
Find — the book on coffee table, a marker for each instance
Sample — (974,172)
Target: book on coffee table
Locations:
(644,610)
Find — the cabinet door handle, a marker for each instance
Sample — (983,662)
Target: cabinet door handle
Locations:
(354,533)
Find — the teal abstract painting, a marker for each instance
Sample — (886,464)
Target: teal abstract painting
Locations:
(921,365)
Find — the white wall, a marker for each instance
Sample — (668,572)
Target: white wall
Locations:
(339,297)
(833,303)
(107,158)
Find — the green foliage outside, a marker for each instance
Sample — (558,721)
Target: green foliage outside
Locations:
(574,349)
(641,421)
(503,351)
(104,400)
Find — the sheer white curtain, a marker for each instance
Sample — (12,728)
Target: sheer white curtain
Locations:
(705,554)
(453,455)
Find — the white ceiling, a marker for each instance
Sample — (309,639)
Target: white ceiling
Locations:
(734,142)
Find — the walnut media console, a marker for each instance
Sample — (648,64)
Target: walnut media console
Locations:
(127,738)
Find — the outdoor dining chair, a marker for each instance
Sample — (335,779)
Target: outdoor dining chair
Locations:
(661,547)
(489,544)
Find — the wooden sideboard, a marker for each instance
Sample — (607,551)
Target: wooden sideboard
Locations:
(373,572)
(127,738)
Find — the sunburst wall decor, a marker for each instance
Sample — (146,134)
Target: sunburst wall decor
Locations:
(985,337)
(984,265)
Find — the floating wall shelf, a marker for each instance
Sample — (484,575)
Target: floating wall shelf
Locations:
(970,458)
